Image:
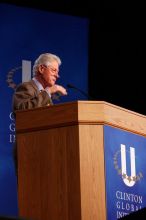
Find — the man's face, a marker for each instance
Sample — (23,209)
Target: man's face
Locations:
(50,73)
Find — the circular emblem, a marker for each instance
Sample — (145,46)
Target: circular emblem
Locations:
(10,75)
(124,175)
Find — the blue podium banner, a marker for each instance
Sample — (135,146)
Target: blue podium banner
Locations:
(125,169)
(25,34)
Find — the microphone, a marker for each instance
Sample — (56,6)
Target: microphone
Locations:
(70,86)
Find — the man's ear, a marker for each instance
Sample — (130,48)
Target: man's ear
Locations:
(41,68)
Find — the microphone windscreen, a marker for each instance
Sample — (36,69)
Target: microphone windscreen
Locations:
(70,86)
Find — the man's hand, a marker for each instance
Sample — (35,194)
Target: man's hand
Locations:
(57,89)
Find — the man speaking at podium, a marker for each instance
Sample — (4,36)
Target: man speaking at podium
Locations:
(39,91)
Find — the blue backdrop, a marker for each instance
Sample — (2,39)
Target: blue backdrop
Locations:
(25,34)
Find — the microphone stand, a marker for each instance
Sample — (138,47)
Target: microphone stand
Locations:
(70,86)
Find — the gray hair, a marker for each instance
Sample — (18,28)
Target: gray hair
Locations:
(46,59)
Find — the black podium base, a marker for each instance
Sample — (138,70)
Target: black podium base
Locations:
(140,215)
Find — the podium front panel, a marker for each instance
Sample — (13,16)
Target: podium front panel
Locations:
(125,164)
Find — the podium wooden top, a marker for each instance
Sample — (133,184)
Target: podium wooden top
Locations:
(80,112)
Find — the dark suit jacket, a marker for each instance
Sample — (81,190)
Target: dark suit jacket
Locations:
(27,96)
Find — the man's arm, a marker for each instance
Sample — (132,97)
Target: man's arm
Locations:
(27,96)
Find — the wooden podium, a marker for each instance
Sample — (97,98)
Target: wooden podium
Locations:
(61,173)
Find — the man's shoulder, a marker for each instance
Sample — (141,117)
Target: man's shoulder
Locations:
(26,84)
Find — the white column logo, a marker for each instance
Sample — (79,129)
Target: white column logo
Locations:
(26,70)
(26,73)
(128,180)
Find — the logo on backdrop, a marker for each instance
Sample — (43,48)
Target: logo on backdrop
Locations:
(10,75)
(26,73)
(129,180)
(12,136)
(25,76)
